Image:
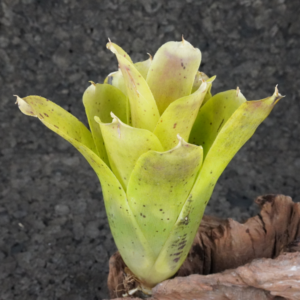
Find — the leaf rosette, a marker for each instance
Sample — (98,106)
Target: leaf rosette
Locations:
(158,141)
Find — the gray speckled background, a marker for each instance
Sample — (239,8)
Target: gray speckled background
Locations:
(54,236)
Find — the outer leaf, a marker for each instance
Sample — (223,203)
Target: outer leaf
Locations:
(134,248)
(130,241)
(100,100)
(199,78)
(158,186)
(172,72)
(144,110)
(238,129)
(179,118)
(143,66)
(125,145)
(213,116)
(208,94)
(57,119)
(114,48)
(116,79)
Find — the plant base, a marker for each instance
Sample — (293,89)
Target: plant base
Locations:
(252,257)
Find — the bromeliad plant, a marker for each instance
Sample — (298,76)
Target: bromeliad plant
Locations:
(159,142)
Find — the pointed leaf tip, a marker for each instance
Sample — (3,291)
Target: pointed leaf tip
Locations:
(180,141)
(277,96)
(97,119)
(179,137)
(16,98)
(115,49)
(24,107)
(113,116)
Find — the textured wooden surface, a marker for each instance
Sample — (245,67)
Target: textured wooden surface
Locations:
(245,261)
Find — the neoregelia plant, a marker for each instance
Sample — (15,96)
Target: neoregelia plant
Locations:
(159,142)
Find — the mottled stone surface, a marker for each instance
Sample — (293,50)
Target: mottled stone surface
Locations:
(54,236)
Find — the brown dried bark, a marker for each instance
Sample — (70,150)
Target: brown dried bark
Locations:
(228,245)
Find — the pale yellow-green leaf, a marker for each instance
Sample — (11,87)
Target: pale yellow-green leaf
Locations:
(57,119)
(144,112)
(213,116)
(238,129)
(172,72)
(199,78)
(100,100)
(116,79)
(114,48)
(143,66)
(125,144)
(134,248)
(179,118)
(158,187)
(208,94)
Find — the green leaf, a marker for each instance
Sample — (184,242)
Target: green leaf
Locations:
(144,112)
(125,144)
(199,78)
(57,119)
(213,116)
(143,66)
(158,187)
(238,129)
(179,118)
(172,72)
(134,248)
(114,48)
(208,94)
(100,100)
(116,79)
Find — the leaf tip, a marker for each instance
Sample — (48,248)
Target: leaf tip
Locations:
(97,119)
(17,97)
(204,86)
(181,141)
(212,79)
(111,47)
(24,107)
(115,119)
(277,95)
